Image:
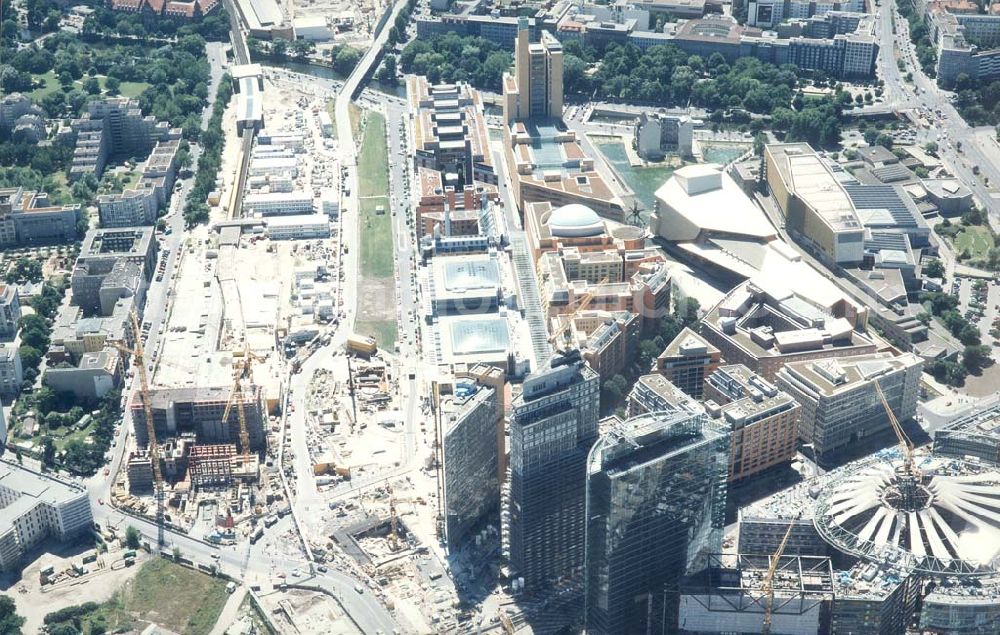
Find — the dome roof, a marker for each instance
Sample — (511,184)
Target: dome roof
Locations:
(575,220)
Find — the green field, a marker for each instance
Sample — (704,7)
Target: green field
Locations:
(974,239)
(384,331)
(131,89)
(51,85)
(373,191)
(177,598)
(126,89)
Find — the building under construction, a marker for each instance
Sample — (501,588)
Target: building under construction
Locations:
(729,596)
(200,411)
(910,534)
(219,465)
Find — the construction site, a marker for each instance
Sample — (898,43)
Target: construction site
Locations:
(246,295)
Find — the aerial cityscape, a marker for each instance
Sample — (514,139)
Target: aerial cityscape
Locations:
(604,317)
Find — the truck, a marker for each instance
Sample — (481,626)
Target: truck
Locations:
(271,521)
(257,535)
(361,344)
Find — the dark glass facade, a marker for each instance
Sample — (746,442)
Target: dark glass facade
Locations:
(656,491)
(471,485)
(553,425)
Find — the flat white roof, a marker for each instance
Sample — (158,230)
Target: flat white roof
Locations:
(810,179)
(297,220)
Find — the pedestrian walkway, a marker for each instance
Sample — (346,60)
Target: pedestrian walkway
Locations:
(230,611)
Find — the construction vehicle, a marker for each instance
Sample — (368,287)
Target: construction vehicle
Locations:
(557,339)
(139,357)
(242,370)
(768,582)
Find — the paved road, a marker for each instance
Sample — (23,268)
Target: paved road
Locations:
(961,147)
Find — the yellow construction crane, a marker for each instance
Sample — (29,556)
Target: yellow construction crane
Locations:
(139,356)
(905,445)
(565,322)
(768,583)
(506,623)
(241,371)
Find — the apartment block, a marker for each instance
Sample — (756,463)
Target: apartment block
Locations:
(608,341)
(113,263)
(763,421)
(11,375)
(687,360)
(653,393)
(27,218)
(10,311)
(36,507)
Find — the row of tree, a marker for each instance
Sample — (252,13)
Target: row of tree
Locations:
(212,142)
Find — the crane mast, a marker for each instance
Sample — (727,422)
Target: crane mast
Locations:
(769,581)
(565,322)
(241,371)
(909,478)
(139,355)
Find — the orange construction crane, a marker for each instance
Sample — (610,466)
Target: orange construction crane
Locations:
(566,321)
(241,371)
(139,356)
(768,583)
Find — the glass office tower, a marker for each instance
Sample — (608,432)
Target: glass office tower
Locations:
(656,494)
(553,425)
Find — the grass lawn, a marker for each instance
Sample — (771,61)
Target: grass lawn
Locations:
(976,240)
(131,89)
(384,332)
(61,442)
(51,85)
(373,190)
(177,598)
(331,109)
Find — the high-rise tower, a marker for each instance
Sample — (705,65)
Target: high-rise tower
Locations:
(553,424)
(535,90)
(656,497)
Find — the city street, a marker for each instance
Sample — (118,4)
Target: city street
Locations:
(960,146)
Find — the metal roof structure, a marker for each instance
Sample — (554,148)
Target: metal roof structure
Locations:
(950,525)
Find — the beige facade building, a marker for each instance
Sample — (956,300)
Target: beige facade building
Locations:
(687,361)
(763,420)
(815,206)
(840,404)
(535,90)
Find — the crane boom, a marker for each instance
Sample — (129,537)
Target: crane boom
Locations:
(566,321)
(769,581)
(905,445)
(139,355)
(241,371)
